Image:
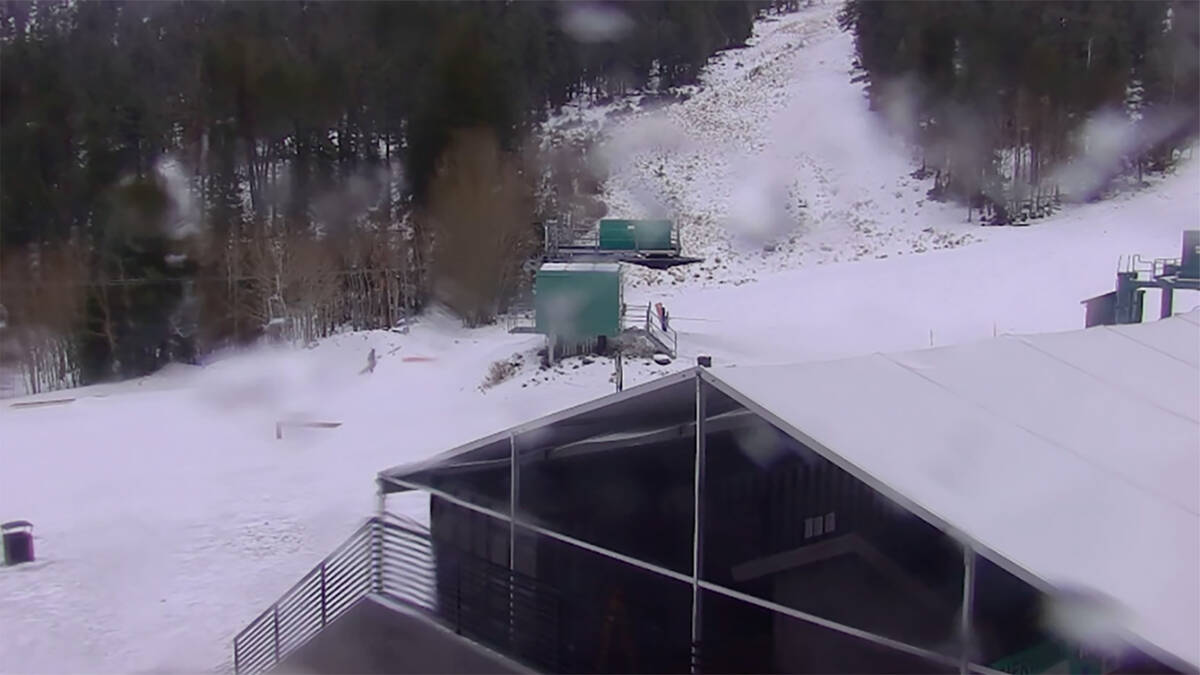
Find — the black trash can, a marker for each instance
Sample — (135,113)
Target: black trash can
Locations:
(18,542)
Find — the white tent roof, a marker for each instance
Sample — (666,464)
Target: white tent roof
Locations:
(1072,458)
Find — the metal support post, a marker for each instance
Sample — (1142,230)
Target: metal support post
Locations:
(968,607)
(620,374)
(1168,301)
(1128,305)
(698,481)
(324,615)
(514,482)
(377,538)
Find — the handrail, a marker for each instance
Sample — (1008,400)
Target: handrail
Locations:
(665,336)
(479,599)
(1155,267)
(330,588)
(668,338)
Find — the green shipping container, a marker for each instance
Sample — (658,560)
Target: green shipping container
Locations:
(578,301)
(635,235)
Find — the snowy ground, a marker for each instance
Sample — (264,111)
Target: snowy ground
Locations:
(167,514)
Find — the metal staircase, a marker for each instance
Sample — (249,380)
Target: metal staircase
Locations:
(354,570)
(398,562)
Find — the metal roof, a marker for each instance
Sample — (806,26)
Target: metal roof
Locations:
(1071,459)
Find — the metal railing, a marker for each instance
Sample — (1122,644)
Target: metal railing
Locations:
(404,564)
(520,320)
(634,316)
(1156,267)
(563,240)
(667,337)
(344,577)
(512,613)
(663,335)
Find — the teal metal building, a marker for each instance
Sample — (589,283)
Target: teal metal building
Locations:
(577,303)
(637,235)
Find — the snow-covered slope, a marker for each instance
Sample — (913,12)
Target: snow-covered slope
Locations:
(168,515)
(1020,280)
(777,151)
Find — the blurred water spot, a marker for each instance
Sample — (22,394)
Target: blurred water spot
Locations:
(594,22)
(1085,617)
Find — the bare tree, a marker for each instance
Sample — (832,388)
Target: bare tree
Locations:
(480,213)
(311,283)
(43,290)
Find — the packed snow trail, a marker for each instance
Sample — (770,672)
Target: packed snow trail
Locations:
(1020,280)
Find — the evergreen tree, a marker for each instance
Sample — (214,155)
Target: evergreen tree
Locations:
(297,125)
(1000,91)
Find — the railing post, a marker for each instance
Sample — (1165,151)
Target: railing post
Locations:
(968,606)
(458,597)
(275,611)
(322,594)
(514,484)
(237,670)
(377,555)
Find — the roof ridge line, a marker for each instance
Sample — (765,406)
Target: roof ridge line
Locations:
(1112,329)
(1111,385)
(1103,469)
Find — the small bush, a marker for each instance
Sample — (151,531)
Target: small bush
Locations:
(501,371)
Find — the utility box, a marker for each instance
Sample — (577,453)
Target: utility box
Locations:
(17,537)
(578,302)
(636,235)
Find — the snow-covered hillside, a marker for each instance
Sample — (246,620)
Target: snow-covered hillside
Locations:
(776,163)
(168,515)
